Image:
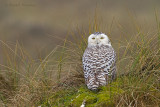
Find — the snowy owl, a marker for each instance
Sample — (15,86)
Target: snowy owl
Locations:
(99,61)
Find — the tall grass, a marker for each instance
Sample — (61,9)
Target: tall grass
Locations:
(31,82)
(24,81)
(141,76)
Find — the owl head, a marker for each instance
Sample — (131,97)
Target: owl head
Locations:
(98,39)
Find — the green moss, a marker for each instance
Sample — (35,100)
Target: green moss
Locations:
(74,98)
(60,98)
(103,97)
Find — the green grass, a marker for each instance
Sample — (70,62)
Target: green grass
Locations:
(57,79)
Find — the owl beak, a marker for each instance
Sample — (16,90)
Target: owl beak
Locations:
(97,42)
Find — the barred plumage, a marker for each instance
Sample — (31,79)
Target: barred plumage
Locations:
(99,61)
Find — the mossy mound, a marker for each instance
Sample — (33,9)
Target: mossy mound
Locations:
(75,98)
(104,97)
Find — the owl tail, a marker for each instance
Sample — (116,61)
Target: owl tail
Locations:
(92,83)
(93,87)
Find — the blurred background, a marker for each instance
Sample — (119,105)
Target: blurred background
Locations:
(35,23)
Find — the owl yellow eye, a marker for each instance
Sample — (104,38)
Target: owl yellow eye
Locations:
(102,38)
(93,38)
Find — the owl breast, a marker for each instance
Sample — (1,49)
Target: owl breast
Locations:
(98,65)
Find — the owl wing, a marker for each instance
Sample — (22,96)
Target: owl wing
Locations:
(110,62)
(89,68)
(87,61)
